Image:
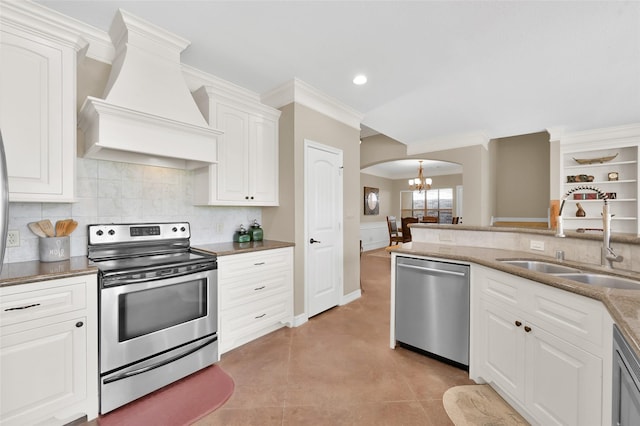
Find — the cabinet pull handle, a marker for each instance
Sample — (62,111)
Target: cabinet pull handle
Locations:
(259,288)
(260,316)
(17,308)
(518,323)
(259,263)
(527,328)
(79,324)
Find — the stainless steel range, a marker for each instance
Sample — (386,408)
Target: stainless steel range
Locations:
(158,308)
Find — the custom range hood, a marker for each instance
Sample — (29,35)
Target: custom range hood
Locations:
(148,115)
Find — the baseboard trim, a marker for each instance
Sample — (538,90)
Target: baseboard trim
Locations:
(298,320)
(348,298)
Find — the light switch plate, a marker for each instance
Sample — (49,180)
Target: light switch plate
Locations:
(536,245)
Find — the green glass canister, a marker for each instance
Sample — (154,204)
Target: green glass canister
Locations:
(241,235)
(255,231)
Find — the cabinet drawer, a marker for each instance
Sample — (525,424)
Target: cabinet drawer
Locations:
(253,317)
(241,292)
(254,263)
(499,287)
(572,316)
(42,302)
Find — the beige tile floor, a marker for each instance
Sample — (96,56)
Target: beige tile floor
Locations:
(337,369)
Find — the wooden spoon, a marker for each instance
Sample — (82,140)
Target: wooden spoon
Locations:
(71,226)
(60,226)
(47,227)
(33,226)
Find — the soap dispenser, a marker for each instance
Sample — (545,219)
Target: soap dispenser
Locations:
(241,235)
(255,231)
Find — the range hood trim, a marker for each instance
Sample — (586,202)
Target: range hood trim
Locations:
(102,122)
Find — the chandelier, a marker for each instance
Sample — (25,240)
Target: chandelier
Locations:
(420,183)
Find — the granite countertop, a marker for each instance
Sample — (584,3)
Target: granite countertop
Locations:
(616,237)
(225,249)
(34,271)
(623,305)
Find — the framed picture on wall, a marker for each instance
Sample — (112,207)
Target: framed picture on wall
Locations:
(371,201)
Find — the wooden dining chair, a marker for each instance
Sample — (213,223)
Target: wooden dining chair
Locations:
(406,231)
(395,235)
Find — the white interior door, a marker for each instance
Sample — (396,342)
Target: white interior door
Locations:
(323,227)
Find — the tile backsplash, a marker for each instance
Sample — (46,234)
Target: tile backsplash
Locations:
(124,193)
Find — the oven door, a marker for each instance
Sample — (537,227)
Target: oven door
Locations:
(144,319)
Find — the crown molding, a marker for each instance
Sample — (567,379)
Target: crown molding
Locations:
(555,133)
(626,134)
(302,93)
(36,19)
(449,142)
(196,79)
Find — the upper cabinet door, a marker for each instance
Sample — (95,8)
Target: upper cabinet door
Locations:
(37,116)
(263,171)
(233,154)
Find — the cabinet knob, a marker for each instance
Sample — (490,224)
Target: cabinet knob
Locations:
(79,324)
(518,323)
(527,328)
(246,198)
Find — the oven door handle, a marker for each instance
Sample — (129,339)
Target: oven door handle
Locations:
(159,364)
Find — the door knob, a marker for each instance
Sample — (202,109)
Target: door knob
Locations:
(311,241)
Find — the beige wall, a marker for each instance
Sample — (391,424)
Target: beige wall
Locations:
(379,148)
(522,176)
(298,123)
(388,204)
(279,223)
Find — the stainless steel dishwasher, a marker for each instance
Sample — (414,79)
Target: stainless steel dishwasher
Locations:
(626,382)
(432,307)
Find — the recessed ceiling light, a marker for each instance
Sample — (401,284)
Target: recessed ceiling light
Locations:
(360,79)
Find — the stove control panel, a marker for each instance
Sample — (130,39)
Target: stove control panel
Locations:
(132,232)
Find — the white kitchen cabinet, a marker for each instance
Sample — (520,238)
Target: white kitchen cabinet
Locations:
(247,170)
(37,105)
(48,351)
(255,295)
(546,350)
(503,348)
(624,207)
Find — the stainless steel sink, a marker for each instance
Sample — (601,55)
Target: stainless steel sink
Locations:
(541,266)
(602,280)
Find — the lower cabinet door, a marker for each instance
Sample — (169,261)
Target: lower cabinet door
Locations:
(503,352)
(42,369)
(564,382)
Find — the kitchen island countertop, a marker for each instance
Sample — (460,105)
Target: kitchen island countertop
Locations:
(623,305)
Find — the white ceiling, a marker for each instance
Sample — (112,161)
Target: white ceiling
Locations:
(436,68)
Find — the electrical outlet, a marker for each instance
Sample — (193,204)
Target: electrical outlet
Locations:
(13,238)
(536,245)
(219,227)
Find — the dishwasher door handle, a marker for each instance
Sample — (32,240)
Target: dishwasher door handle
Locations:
(439,271)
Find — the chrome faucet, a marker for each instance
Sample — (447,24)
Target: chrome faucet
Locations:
(608,255)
